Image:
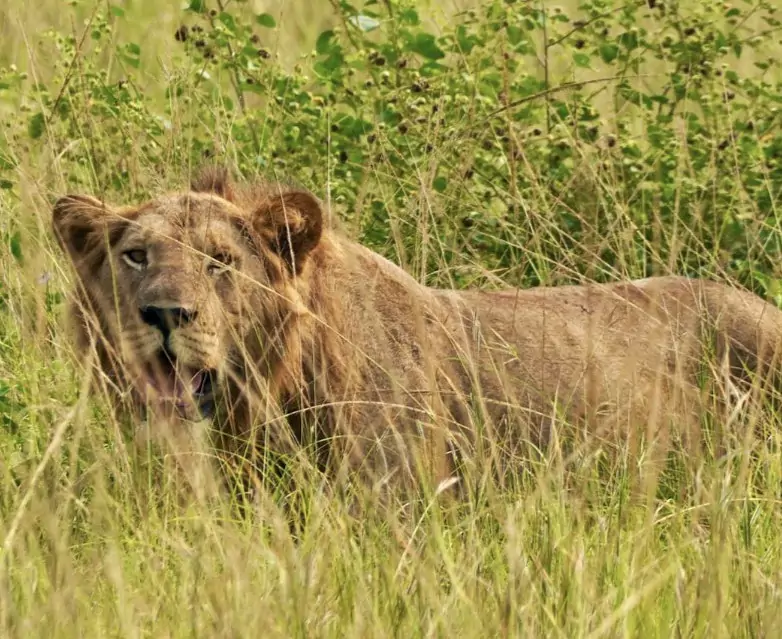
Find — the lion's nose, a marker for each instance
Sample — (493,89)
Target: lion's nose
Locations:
(167,319)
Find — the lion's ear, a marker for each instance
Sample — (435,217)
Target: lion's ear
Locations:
(292,223)
(81,223)
(213,179)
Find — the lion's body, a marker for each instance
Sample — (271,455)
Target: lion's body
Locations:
(348,344)
(618,358)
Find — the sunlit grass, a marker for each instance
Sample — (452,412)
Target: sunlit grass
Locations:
(95,540)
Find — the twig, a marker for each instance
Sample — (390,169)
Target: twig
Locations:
(235,80)
(582,25)
(546,93)
(72,66)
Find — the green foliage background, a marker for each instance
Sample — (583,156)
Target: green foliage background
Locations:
(483,144)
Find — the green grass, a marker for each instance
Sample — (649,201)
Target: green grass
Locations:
(94,540)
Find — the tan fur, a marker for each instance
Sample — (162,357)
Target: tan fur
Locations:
(356,352)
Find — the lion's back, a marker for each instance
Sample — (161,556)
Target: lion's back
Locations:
(626,347)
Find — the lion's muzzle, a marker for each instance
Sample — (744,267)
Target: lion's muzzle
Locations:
(183,386)
(167,319)
(172,381)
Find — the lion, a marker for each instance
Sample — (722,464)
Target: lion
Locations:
(241,306)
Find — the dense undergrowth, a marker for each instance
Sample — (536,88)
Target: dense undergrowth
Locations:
(508,142)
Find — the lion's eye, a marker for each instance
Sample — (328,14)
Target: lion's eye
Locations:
(219,263)
(136,258)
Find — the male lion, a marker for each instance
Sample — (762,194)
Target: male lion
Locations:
(226,300)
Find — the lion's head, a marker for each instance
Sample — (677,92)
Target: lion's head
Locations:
(178,289)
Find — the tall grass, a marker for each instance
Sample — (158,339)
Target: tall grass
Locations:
(676,170)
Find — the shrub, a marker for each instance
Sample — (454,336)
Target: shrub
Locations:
(621,139)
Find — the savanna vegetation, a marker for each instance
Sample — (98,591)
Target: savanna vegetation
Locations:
(476,143)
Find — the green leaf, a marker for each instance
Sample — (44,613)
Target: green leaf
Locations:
(409,16)
(439,184)
(737,49)
(254,88)
(324,42)
(16,246)
(608,52)
(6,184)
(266,20)
(330,64)
(133,48)
(515,34)
(389,117)
(581,59)
(118,11)
(425,44)
(354,127)
(638,98)
(629,40)
(35,126)
(134,62)
(228,20)
(199,6)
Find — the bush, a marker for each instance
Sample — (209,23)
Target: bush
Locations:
(525,143)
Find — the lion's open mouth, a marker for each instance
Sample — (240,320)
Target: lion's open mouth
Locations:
(183,386)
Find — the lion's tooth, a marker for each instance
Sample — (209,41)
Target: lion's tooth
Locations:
(196,381)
